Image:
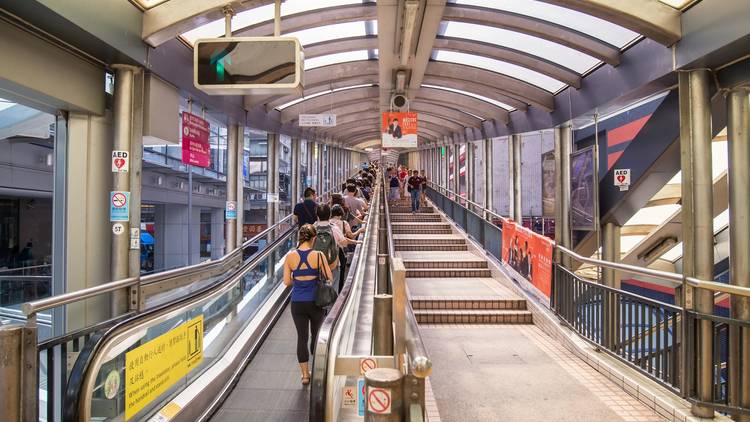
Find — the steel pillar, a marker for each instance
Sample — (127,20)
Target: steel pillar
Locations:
(272,182)
(470,179)
(128,135)
(240,195)
(697,224)
(610,278)
(295,183)
(515,141)
(232,180)
(457,170)
(563,146)
(738,135)
(487,182)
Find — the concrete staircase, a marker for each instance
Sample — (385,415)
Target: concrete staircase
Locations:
(449,284)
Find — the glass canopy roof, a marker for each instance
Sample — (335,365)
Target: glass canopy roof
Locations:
(581,22)
(347,56)
(509,69)
(471,94)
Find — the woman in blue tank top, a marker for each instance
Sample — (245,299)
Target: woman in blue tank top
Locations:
(302,269)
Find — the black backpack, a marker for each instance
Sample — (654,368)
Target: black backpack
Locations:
(326,243)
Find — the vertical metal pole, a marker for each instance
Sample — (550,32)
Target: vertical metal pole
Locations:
(294,191)
(190,203)
(123,126)
(310,165)
(277,19)
(136,169)
(232,181)
(272,182)
(697,225)
(240,184)
(516,158)
(511,181)
(611,252)
(488,174)
(738,134)
(563,146)
(470,173)
(321,173)
(387,385)
(457,170)
(447,168)
(398,284)
(19,372)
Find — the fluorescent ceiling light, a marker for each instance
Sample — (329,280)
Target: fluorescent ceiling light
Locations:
(329,59)
(521,73)
(473,95)
(318,94)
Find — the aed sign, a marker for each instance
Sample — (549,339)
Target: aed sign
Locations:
(622,179)
(120,161)
(155,366)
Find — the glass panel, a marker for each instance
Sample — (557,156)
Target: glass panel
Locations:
(330,32)
(285,175)
(548,50)
(471,94)
(347,56)
(581,22)
(627,242)
(653,215)
(505,68)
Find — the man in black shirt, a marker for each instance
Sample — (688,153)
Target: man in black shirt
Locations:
(305,212)
(415,189)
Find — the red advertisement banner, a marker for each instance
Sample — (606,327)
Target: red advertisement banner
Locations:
(529,254)
(399,130)
(196,149)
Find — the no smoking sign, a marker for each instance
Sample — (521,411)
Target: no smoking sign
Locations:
(379,400)
(119,206)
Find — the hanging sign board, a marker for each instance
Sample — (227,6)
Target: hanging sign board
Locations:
(582,190)
(399,130)
(120,161)
(196,149)
(119,206)
(313,120)
(622,179)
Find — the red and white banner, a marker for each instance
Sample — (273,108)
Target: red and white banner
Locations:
(399,130)
(529,254)
(196,149)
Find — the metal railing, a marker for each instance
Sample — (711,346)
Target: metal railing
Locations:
(660,340)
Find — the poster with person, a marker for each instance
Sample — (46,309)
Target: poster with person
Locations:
(399,130)
(529,254)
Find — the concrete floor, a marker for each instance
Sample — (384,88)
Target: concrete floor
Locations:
(497,373)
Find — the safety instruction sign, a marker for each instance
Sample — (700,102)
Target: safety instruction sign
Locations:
(365,364)
(119,205)
(379,400)
(349,395)
(361,396)
(154,367)
(231,211)
(120,161)
(622,179)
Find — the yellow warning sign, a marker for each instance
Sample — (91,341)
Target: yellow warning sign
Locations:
(154,367)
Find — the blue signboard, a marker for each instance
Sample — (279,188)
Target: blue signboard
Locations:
(361,396)
(119,206)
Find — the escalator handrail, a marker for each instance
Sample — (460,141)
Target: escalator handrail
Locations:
(320,369)
(81,384)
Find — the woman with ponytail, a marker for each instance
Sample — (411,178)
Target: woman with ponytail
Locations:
(303,267)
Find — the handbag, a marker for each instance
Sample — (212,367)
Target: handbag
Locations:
(325,294)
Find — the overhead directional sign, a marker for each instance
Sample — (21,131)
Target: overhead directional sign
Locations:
(313,120)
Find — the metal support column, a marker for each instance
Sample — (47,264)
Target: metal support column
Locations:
(487,181)
(563,146)
(447,167)
(128,115)
(738,135)
(240,195)
(272,183)
(697,225)
(610,278)
(456,170)
(470,172)
(295,183)
(321,167)
(514,142)
(232,179)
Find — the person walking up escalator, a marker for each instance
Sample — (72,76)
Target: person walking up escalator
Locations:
(414,185)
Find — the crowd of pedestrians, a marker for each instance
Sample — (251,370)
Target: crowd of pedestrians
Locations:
(405,183)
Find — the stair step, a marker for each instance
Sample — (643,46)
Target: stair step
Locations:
(448,273)
(406,230)
(466,303)
(448,241)
(413,264)
(407,209)
(451,316)
(432,248)
(416,218)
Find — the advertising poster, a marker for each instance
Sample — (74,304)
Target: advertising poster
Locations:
(582,190)
(529,254)
(399,130)
(196,149)
(548,184)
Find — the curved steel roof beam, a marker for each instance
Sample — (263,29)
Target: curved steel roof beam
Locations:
(535,27)
(333,84)
(652,19)
(446,112)
(324,75)
(441,121)
(325,102)
(463,102)
(509,55)
(312,19)
(477,88)
(522,90)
